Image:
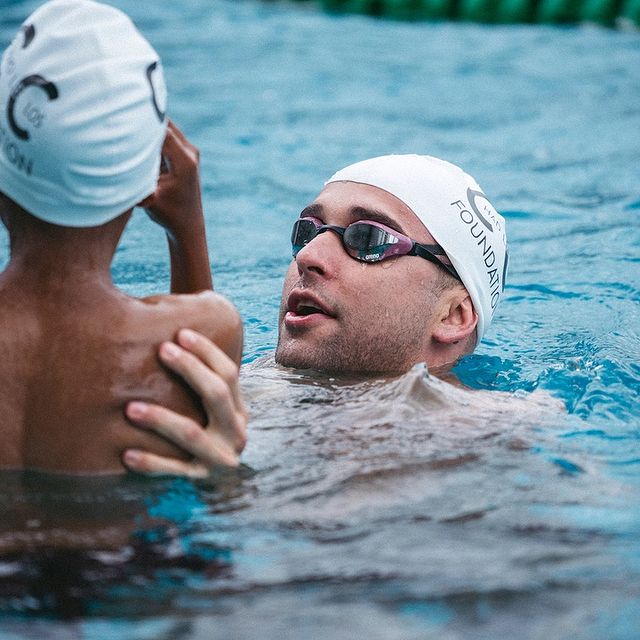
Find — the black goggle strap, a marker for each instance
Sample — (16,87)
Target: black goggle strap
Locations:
(430,252)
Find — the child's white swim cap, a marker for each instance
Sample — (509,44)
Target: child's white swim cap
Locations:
(82,114)
(456,212)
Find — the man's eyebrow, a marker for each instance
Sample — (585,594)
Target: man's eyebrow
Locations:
(312,211)
(363,213)
(316,210)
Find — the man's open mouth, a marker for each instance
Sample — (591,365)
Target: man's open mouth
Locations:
(303,304)
(307,310)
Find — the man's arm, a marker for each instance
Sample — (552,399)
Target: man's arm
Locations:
(214,377)
(176,205)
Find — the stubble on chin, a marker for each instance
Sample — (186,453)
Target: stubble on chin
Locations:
(385,343)
(353,352)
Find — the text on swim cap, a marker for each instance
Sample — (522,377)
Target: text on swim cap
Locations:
(30,112)
(13,155)
(477,225)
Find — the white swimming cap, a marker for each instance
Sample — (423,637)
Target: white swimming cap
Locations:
(82,114)
(456,212)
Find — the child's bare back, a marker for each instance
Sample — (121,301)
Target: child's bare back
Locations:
(69,367)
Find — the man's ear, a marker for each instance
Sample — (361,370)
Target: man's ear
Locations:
(457,320)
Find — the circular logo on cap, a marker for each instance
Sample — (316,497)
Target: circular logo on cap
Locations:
(34,80)
(473,196)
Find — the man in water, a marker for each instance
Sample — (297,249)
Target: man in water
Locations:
(399,260)
(82,125)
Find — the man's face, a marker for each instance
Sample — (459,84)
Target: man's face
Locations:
(339,314)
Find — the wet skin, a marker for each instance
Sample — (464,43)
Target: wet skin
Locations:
(338,314)
(75,350)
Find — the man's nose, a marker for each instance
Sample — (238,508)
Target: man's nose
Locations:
(322,254)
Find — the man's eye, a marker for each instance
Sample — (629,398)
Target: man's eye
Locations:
(316,221)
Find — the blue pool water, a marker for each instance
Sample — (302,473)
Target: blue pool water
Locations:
(387,509)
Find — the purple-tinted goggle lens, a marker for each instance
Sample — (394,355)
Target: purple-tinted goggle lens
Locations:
(364,240)
(368,241)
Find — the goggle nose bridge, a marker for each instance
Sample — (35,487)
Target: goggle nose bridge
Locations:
(326,227)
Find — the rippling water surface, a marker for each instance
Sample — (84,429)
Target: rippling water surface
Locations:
(401,508)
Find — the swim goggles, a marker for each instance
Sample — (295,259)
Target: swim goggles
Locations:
(368,241)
